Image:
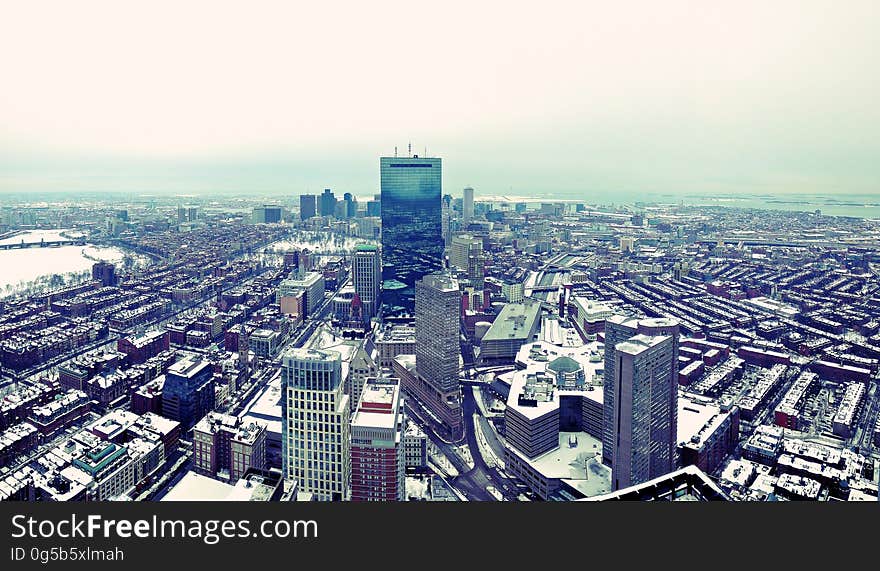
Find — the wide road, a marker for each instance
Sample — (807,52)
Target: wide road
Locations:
(469,481)
(472,482)
(472,414)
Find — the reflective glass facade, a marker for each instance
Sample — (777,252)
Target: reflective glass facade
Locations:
(412,238)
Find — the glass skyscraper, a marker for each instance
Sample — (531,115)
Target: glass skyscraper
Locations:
(307,206)
(412,236)
(188,393)
(328,203)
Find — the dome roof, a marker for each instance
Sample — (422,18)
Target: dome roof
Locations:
(564,365)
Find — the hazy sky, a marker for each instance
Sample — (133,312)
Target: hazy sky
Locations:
(587,96)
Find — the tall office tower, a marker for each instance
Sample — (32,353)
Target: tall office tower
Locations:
(665,398)
(268,214)
(640,397)
(314,423)
(431,375)
(339,213)
(367,277)
(412,234)
(188,393)
(350,203)
(446,220)
(467,205)
(377,451)
(618,328)
(463,247)
(187,213)
(106,272)
(307,206)
(374,207)
(642,418)
(438,325)
(328,203)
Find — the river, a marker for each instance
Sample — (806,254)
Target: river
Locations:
(18,267)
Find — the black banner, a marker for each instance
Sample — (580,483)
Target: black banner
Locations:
(275,535)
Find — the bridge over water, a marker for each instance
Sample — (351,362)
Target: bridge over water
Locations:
(43,244)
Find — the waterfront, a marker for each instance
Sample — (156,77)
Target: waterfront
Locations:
(845,204)
(38,266)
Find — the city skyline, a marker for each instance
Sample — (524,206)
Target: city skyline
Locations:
(258,258)
(203,350)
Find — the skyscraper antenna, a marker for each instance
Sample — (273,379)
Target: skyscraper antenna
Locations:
(409,149)
(395,151)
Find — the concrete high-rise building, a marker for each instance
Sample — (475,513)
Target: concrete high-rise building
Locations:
(640,413)
(462,248)
(412,232)
(446,218)
(620,328)
(316,450)
(378,459)
(367,277)
(431,374)
(438,323)
(328,203)
(307,206)
(467,205)
(643,417)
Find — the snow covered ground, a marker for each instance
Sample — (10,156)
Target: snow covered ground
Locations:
(439,462)
(417,488)
(486,451)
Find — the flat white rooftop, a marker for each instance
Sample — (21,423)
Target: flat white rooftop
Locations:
(266,407)
(698,418)
(577,461)
(199,488)
(384,396)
